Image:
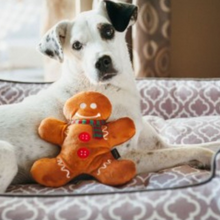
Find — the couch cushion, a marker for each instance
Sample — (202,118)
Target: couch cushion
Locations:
(173,177)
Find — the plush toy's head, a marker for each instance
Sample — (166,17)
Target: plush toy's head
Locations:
(88,105)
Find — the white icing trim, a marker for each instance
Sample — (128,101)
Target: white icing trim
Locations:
(105,132)
(86,117)
(63,168)
(104,166)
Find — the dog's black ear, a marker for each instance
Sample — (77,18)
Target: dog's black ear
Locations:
(121,14)
(52,42)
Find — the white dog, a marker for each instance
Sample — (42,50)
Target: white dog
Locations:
(95,57)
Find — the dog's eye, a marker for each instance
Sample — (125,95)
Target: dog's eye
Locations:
(107,32)
(77,45)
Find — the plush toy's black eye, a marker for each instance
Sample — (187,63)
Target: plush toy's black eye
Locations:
(77,45)
(107,31)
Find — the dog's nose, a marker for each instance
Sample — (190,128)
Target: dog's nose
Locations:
(104,64)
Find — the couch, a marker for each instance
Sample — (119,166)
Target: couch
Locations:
(182,111)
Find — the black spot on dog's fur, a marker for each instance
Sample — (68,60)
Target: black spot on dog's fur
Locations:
(56,45)
(158,144)
(107,86)
(56,52)
(150,153)
(48,38)
(50,53)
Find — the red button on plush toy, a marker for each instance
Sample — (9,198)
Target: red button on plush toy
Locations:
(84,136)
(83,153)
(86,140)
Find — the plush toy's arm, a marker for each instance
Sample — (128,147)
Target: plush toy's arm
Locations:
(52,130)
(120,131)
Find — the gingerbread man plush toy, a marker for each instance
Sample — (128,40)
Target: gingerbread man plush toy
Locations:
(86,140)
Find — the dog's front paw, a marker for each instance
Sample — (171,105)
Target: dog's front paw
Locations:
(199,165)
(203,159)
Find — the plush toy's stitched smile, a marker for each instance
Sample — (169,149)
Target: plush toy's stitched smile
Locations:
(82,116)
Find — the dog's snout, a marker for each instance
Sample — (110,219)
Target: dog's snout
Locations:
(104,64)
(105,68)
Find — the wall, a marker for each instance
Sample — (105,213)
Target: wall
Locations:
(195,38)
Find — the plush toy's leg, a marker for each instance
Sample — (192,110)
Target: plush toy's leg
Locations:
(51,172)
(115,172)
(8,165)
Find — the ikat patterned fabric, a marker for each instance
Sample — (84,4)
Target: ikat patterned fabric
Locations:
(173,108)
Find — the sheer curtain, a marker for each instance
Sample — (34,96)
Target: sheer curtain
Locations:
(19,25)
(22,23)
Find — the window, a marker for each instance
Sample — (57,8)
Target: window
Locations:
(19,35)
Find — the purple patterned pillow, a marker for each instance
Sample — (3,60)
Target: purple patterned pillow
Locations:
(179,98)
(13,92)
(192,130)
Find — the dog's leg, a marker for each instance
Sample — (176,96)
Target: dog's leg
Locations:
(153,147)
(214,146)
(155,160)
(8,165)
